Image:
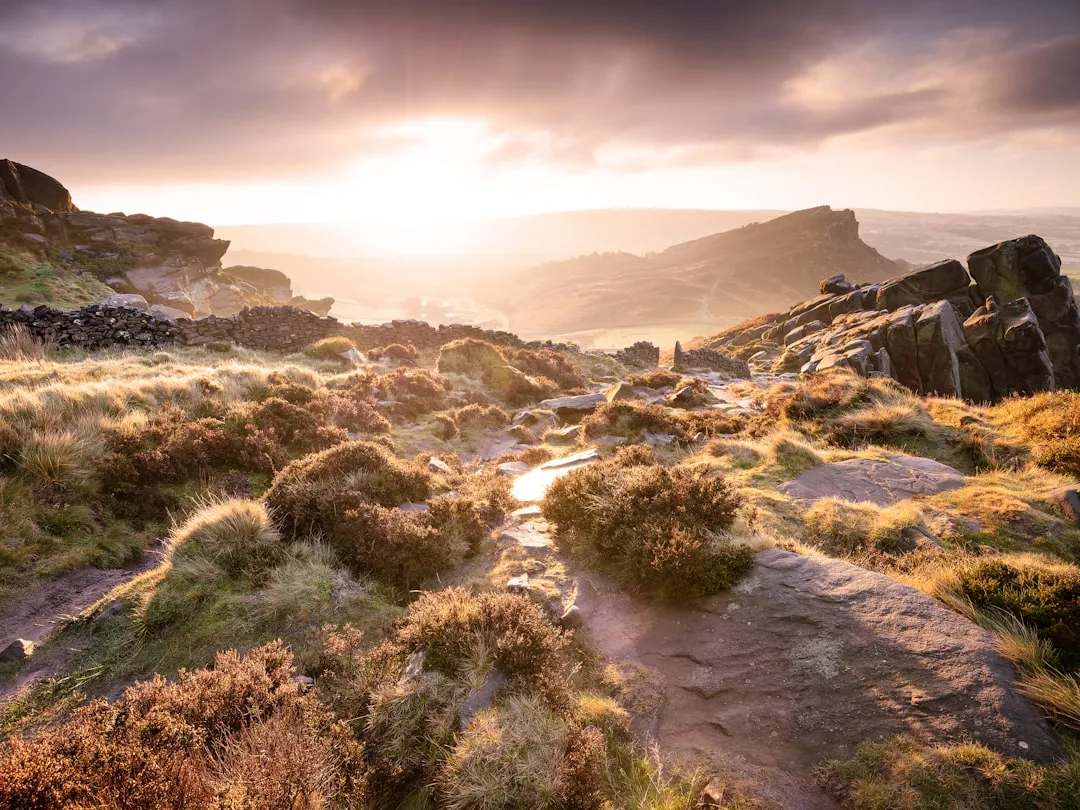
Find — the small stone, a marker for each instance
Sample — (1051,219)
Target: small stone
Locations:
(17,651)
(413,507)
(513,468)
(414,665)
(1023,745)
(437,465)
(305,682)
(519,584)
(528,512)
(571,618)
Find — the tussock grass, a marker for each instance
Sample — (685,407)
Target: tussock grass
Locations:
(902,774)
(54,459)
(17,345)
(236,534)
(330,348)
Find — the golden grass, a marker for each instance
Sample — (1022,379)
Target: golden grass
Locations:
(235,533)
(19,346)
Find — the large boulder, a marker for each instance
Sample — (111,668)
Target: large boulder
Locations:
(903,347)
(27,185)
(939,335)
(1028,268)
(880,481)
(946,280)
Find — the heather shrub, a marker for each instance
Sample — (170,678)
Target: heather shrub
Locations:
(309,494)
(451,625)
(419,391)
(395,352)
(1045,598)
(330,348)
(547,364)
(656,528)
(237,534)
(446,426)
(481,416)
(189,743)
(657,378)
(516,387)
(398,548)
(468,356)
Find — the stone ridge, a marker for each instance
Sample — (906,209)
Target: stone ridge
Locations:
(1008,323)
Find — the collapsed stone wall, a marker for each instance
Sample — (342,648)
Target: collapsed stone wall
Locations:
(97,326)
(282,329)
(1008,323)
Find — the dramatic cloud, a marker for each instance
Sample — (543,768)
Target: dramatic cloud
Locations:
(229,88)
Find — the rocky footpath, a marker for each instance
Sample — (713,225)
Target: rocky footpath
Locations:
(170,263)
(1007,323)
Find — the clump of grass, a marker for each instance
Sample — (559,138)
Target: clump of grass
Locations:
(791,453)
(545,364)
(18,345)
(54,459)
(1044,596)
(468,356)
(657,528)
(894,425)
(1049,424)
(237,534)
(902,774)
(513,755)
(840,528)
(329,348)
(477,358)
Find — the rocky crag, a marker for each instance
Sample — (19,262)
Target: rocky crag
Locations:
(1006,323)
(174,265)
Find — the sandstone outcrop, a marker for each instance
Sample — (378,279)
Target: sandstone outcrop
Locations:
(170,263)
(1007,324)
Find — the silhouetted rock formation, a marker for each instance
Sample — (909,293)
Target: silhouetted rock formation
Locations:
(173,264)
(1011,326)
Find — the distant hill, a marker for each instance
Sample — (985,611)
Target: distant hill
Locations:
(734,274)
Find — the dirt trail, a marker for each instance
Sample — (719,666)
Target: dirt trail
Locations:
(806,659)
(37,613)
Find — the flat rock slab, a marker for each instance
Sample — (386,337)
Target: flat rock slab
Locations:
(807,658)
(883,482)
(581,402)
(526,536)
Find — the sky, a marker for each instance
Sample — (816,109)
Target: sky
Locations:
(434,112)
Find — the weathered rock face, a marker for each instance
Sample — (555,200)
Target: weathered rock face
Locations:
(26,185)
(927,330)
(170,263)
(881,481)
(1028,268)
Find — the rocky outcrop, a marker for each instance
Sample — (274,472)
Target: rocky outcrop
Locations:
(172,264)
(1010,326)
(711,360)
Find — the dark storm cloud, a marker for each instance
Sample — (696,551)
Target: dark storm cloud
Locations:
(117,89)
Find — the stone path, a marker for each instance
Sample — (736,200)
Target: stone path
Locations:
(804,660)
